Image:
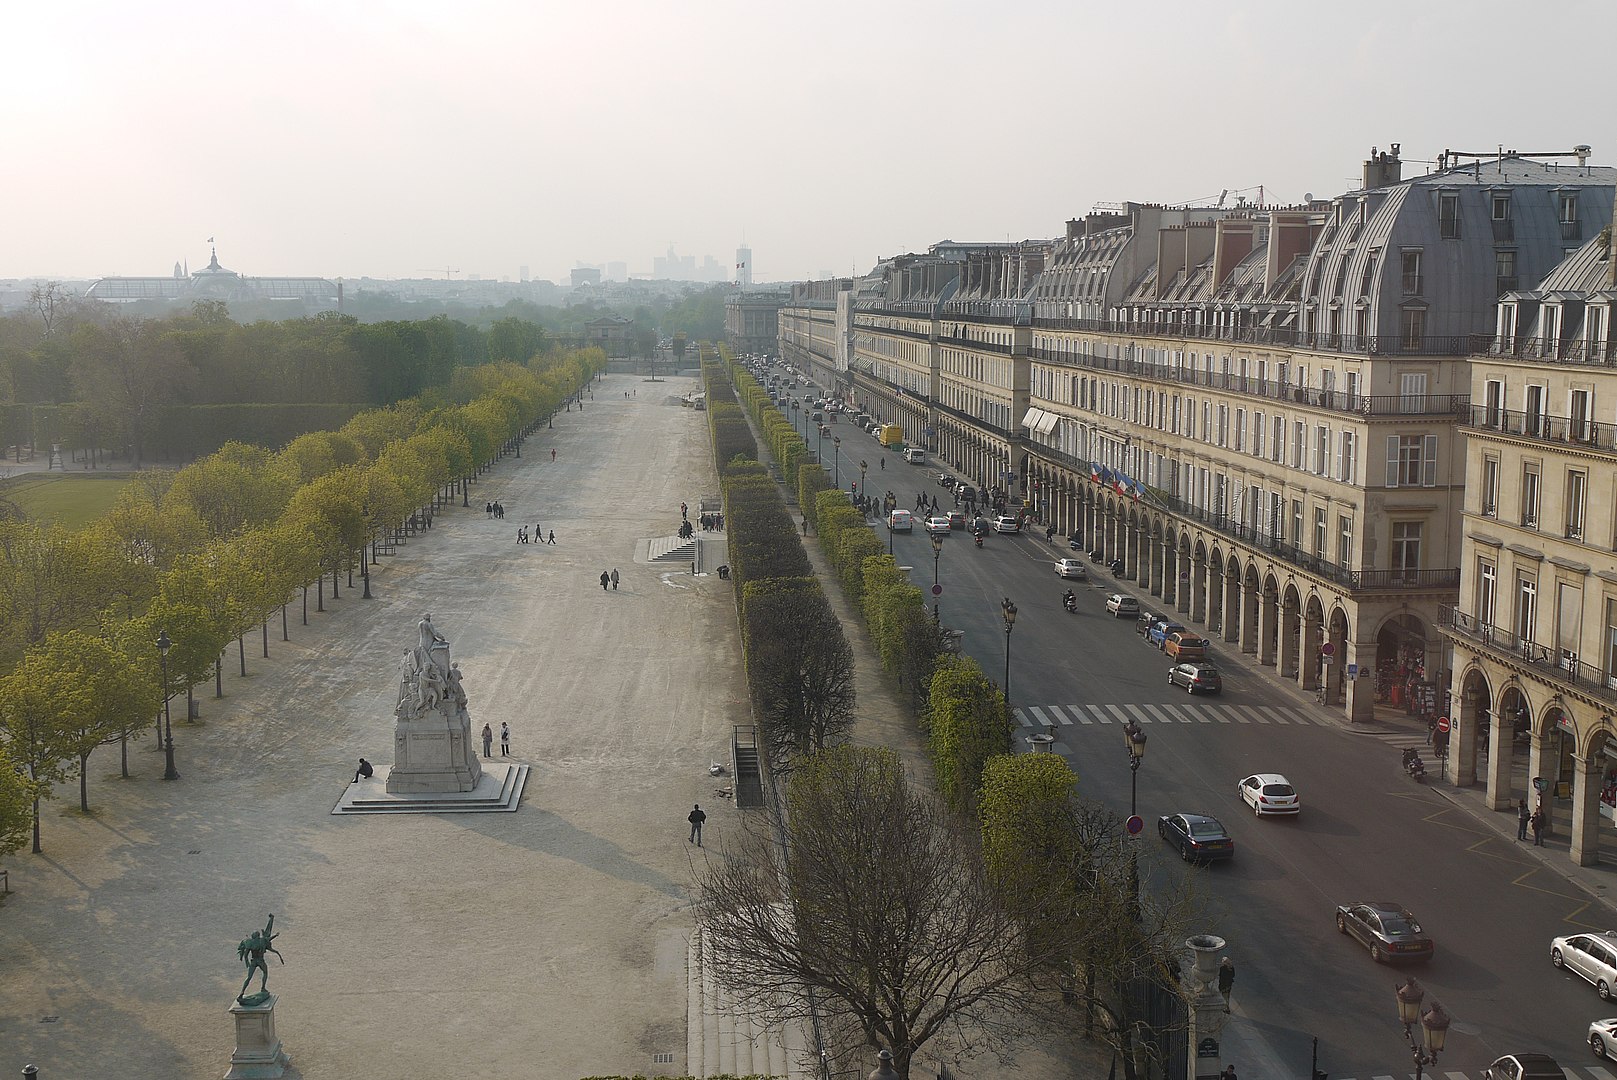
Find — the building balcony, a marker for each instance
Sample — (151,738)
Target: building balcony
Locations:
(971,421)
(1528,657)
(1334,400)
(1261,542)
(1568,431)
(1358,344)
(1518,347)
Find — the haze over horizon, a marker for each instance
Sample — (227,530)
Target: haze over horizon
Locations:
(400,140)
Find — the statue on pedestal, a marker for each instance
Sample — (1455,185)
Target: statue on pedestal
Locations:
(251,952)
(433,746)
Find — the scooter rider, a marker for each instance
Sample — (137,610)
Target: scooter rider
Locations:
(1069,601)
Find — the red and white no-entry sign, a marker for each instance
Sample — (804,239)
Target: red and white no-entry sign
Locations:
(1442,723)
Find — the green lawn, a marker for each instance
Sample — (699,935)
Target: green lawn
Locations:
(68,499)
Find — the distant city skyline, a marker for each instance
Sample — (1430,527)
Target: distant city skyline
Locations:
(429,140)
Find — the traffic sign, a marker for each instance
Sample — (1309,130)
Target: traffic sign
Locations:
(1135,824)
(937,590)
(1353,671)
(1443,723)
(1328,649)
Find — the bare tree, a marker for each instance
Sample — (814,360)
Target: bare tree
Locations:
(49,299)
(878,904)
(800,668)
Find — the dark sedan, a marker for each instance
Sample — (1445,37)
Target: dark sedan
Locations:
(1197,836)
(1388,930)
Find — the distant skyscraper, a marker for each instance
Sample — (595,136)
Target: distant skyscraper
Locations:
(743,266)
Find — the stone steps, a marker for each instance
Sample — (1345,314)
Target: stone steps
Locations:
(723,1037)
(496,793)
(670,549)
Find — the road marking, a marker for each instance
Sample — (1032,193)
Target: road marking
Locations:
(1139,714)
(1055,711)
(1164,713)
(1038,712)
(1281,716)
(1118,712)
(1599,1073)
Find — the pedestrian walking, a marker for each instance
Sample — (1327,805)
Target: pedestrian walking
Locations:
(684,511)
(1226,980)
(552,537)
(614,579)
(606,579)
(805,526)
(883,464)
(538,534)
(696,817)
(552,453)
(1538,827)
(522,535)
(505,739)
(1523,816)
(488,508)
(488,741)
(1228,1073)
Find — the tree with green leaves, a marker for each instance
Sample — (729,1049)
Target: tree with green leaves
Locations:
(31,725)
(969,725)
(125,370)
(16,802)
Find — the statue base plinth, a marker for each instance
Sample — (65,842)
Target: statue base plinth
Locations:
(432,753)
(258,1054)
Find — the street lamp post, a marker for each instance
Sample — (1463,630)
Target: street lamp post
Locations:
(937,552)
(1136,746)
(863,464)
(821,445)
(1008,611)
(169,771)
(836,461)
(1434,1024)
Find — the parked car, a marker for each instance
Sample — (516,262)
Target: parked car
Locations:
(1196,836)
(1196,677)
(1525,1067)
(1007,524)
(1269,793)
(1592,957)
(937,525)
(1121,606)
(900,521)
(1388,930)
(1159,629)
(1184,645)
(1602,1037)
(1070,568)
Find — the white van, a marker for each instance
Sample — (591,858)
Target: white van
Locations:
(900,521)
(915,456)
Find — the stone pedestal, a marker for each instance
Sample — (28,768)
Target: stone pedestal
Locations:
(1207,1015)
(258,1054)
(433,752)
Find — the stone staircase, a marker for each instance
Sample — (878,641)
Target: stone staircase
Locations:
(670,549)
(749,785)
(723,1037)
(500,791)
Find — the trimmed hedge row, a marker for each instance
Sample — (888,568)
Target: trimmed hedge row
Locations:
(970,725)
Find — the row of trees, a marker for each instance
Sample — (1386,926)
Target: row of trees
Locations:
(214,550)
(91,376)
(963,915)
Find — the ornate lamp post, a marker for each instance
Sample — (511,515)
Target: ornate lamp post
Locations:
(169,771)
(836,460)
(1008,610)
(821,445)
(1434,1024)
(863,464)
(1136,746)
(937,552)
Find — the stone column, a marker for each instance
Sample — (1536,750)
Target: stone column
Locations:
(1361,693)
(1251,600)
(1586,779)
(1187,585)
(1501,759)
(1462,761)
(1268,617)
(1287,664)
(1198,589)
(1170,573)
(1207,1013)
(1234,612)
(1535,767)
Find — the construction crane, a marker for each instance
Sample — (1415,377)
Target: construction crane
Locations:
(449,271)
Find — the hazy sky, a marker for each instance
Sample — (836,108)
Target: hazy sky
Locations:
(386,139)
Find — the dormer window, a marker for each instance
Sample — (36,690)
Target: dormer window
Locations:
(1448,215)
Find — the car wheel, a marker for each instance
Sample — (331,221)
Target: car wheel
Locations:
(1555,958)
(1190,689)
(1170,680)
(1376,954)
(1341,922)
(1184,852)
(1603,990)
(1598,1045)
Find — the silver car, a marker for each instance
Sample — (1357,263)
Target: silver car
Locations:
(1593,957)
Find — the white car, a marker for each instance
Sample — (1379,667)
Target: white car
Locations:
(1070,568)
(938,525)
(1007,524)
(1270,793)
(1603,1037)
(1592,957)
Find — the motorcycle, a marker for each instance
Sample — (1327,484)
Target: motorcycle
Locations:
(1096,554)
(1116,568)
(979,538)
(1069,601)
(1413,765)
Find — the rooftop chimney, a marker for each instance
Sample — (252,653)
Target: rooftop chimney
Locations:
(1383,169)
(1075,228)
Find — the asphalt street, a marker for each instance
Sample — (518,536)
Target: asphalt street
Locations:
(1367,832)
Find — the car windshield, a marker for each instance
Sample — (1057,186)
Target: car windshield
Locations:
(1278,789)
(1206,828)
(1195,641)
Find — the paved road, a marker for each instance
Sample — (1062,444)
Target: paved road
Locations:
(1367,831)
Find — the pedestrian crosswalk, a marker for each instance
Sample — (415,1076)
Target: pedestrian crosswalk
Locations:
(1046,716)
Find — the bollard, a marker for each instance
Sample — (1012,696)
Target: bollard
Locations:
(31,1071)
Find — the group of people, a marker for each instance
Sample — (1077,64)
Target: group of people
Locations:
(494,510)
(609,578)
(538,535)
(1528,818)
(711,522)
(505,740)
